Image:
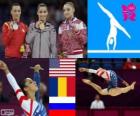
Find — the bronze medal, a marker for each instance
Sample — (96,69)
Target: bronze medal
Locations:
(22,49)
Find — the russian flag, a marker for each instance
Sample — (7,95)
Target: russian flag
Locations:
(63,103)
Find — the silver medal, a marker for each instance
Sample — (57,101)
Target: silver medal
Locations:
(15,26)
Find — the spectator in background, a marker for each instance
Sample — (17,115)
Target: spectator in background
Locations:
(13,33)
(72,34)
(97,103)
(42,35)
(3,99)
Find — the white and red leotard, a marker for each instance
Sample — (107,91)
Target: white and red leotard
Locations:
(30,107)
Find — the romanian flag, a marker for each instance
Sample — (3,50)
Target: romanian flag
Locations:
(62,74)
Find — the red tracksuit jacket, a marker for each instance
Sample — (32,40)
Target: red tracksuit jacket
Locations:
(13,39)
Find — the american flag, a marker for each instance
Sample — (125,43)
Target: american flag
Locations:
(62,68)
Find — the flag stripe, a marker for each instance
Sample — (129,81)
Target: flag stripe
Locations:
(62,100)
(71,63)
(62,86)
(67,66)
(61,72)
(60,69)
(63,106)
(71,86)
(66,60)
(53,87)
(62,113)
(61,75)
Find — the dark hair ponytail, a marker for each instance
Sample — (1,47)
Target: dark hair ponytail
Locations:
(22,86)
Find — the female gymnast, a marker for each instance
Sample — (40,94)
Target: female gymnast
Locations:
(28,94)
(42,35)
(72,34)
(112,79)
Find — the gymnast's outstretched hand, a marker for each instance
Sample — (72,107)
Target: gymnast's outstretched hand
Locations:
(37,68)
(4,67)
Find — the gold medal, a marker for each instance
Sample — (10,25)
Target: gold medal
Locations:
(42,26)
